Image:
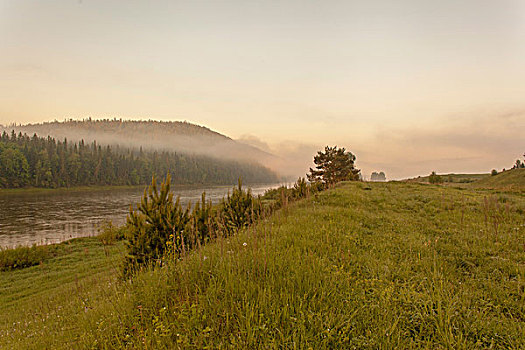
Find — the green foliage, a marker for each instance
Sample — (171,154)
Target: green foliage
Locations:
(519,164)
(301,188)
(158,219)
(435,178)
(239,209)
(14,170)
(456,178)
(202,219)
(160,228)
(44,162)
(108,234)
(22,257)
(333,165)
(494,172)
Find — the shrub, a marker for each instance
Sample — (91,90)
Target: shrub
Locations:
(108,234)
(301,188)
(158,219)
(239,209)
(160,228)
(494,172)
(21,257)
(435,178)
(202,219)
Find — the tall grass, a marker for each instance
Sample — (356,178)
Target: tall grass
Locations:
(161,227)
(364,266)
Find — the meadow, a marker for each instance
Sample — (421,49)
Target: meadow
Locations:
(364,266)
(452,178)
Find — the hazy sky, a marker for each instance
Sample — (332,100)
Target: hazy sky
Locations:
(408,86)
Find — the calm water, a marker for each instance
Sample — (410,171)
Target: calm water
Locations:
(55,216)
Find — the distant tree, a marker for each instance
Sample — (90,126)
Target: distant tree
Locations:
(519,164)
(333,165)
(435,178)
(494,172)
(378,176)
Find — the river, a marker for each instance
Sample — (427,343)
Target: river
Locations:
(44,217)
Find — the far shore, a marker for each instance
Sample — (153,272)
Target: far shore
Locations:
(104,188)
(66,189)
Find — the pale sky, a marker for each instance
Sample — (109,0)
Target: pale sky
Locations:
(408,86)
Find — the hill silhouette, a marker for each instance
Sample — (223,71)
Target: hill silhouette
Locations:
(180,136)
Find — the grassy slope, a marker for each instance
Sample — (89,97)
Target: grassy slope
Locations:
(510,179)
(456,178)
(42,300)
(379,265)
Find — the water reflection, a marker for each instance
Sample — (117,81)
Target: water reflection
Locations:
(54,216)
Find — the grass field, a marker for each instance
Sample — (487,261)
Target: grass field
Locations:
(39,301)
(511,179)
(452,178)
(364,266)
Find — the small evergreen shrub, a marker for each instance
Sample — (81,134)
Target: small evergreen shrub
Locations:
(202,220)
(239,209)
(157,219)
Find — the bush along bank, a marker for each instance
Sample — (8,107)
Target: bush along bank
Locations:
(162,229)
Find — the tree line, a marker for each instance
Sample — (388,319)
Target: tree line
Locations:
(49,163)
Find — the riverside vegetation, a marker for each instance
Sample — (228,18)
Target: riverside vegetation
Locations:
(363,265)
(47,163)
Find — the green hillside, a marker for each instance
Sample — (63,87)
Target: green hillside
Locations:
(452,178)
(178,136)
(510,179)
(364,266)
(48,163)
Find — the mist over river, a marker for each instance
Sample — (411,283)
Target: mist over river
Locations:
(44,217)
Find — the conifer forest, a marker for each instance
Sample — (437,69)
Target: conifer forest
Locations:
(33,161)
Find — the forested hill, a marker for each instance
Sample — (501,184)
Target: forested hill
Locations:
(50,163)
(155,135)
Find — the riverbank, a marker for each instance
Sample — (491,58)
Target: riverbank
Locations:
(31,190)
(365,265)
(43,217)
(67,263)
(39,301)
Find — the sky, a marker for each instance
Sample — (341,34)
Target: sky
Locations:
(407,86)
